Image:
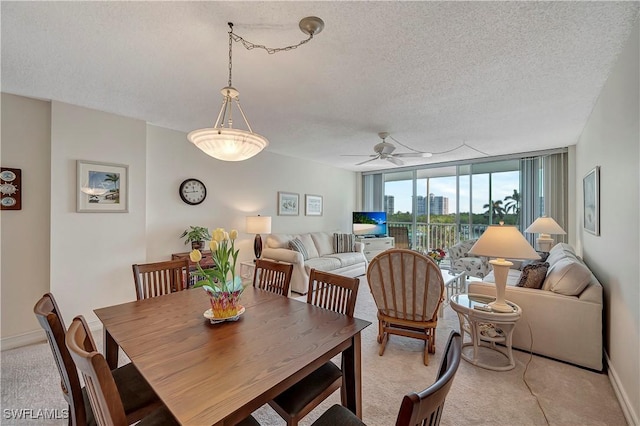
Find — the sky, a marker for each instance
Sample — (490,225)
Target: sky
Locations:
(503,185)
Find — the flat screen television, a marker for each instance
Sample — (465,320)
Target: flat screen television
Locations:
(370,224)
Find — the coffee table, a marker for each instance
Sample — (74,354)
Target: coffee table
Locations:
(454,283)
(485,328)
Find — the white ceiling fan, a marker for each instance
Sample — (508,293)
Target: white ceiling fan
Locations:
(385,151)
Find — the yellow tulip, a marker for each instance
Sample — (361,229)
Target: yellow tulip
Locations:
(213,245)
(195,256)
(218,235)
(226,235)
(233,234)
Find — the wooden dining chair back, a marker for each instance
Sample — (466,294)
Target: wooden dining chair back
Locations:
(425,408)
(158,278)
(408,290)
(329,291)
(273,276)
(139,398)
(422,408)
(48,315)
(103,393)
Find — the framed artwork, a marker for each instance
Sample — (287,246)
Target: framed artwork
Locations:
(102,187)
(313,205)
(11,188)
(591,197)
(288,204)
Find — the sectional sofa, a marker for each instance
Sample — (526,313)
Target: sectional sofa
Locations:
(561,320)
(319,251)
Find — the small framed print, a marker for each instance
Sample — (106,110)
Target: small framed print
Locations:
(591,199)
(102,187)
(313,205)
(288,204)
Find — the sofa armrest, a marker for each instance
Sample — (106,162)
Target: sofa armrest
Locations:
(283,255)
(359,247)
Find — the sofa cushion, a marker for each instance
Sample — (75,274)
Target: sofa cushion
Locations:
(279,240)
(533,275)
(344,243)
(326,264)
(348,259)
(567,276)
(309,245)
(296,245)
(323,242)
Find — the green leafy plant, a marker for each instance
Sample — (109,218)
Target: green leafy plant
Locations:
(196,234)
(225,256)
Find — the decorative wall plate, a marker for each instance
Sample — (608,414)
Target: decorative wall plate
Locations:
(10,189)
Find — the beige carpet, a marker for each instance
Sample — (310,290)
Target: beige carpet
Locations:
(568,395)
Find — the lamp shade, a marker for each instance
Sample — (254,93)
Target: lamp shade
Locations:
(258,224)
(545,225)
(503,242)
(228,144)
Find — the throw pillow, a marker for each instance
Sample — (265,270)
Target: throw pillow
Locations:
(344,243)
(297,245)
(533,275)
(568,276)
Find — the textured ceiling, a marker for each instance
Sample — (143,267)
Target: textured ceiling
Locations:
(503,77)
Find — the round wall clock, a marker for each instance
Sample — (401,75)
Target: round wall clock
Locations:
(192,191)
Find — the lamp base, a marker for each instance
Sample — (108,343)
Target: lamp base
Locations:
(500,307)
(257,246)
(544,242)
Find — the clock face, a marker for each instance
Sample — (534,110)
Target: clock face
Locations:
(192,191)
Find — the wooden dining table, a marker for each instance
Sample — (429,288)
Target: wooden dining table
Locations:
(218,374)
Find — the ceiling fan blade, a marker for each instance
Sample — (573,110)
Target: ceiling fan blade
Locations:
(368,161)
(414,154)
(395,161)
(358,155)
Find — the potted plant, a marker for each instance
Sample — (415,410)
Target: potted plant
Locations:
(196,235)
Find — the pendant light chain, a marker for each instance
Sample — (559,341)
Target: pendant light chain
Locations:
(270,50)
(230,48)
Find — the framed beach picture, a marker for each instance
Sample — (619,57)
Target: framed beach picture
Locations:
(313,205)
(591,197)
(288,204)
(102,187)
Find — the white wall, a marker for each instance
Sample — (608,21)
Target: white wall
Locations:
(235,190)
(85,258)
(610,140)
(91,253)
(26,129)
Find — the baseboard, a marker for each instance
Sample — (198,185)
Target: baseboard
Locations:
(627,409)
(35,336)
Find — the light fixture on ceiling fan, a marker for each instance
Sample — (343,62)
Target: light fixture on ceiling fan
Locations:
(227,143)
(385,151)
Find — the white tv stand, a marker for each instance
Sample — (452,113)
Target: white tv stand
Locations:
(375,245)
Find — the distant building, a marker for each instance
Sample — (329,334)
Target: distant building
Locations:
(421,205)
(389,204)
(438,205)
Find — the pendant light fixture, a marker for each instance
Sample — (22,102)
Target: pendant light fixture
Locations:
(224,142)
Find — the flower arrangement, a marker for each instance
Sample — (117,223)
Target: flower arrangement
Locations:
(437,255)
(221,283)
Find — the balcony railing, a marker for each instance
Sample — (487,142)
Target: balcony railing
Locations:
(439,235)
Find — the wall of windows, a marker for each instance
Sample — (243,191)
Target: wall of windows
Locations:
(440,205)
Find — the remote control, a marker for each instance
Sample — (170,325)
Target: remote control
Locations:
(485,308)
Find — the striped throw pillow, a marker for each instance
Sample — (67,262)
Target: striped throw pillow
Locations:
(297,245)
(344,243)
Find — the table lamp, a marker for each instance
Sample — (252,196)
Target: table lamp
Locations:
(258,225)
(502,241)
(545,226)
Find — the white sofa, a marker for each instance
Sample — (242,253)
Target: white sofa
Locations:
(564,317)
(321,255)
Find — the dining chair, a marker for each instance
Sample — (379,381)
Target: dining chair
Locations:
(273,276)
(158,278)
(421,408)
(408,290)
(333,292)
(135,391)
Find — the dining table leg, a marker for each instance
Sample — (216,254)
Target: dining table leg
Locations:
(352,377)
(110,350)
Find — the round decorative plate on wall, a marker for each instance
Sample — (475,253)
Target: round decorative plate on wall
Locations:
(192,191)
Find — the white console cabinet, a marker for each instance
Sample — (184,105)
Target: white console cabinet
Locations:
(375,246)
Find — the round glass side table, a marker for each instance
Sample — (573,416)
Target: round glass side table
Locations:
(485,328)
